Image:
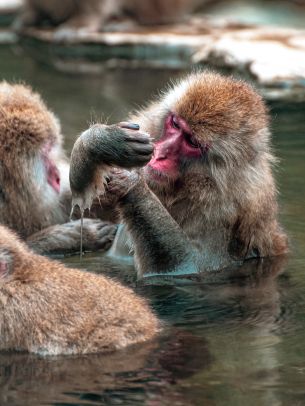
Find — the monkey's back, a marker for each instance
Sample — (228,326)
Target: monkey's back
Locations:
(48,309)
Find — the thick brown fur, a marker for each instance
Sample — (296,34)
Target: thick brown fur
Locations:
(49,309)
(26,126)
(225,203)
(25,122)
(234,188)
(28,204)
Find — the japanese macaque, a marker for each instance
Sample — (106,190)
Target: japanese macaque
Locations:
(49,309)
(92,15)
(35,196)
(207,198)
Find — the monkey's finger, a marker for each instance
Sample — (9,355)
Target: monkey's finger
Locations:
(139,161)
(104,226)
(143,149)
(129,126)
(140,137)
(105,231)
(104,241)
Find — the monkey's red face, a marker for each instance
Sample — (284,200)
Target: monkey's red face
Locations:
(52,172)
(176,145)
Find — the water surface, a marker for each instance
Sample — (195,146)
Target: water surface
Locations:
(228,342)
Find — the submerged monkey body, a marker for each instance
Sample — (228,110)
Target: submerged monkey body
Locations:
(225,201)
(48,309)
(207,198)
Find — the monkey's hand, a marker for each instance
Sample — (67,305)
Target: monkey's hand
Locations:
(100,147)
(119,183)
(65,238)
(122,145)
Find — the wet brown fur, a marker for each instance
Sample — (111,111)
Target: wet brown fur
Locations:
(219,208)
(28,204)
(26,126)
(25,122)
(227,200)
(48,309)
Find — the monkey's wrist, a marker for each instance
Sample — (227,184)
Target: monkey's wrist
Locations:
(136,193)
(94,142)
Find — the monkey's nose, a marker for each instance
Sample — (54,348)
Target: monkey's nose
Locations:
(160,153)
(160,157)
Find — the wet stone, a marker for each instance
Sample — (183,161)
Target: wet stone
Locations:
(273,57)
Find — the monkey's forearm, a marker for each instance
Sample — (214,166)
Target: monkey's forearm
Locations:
(84,161)
(161,246)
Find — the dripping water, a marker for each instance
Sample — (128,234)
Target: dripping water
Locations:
(81,234)
(81,226)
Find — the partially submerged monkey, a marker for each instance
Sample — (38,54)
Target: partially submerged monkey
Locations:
(35,196)
(92,15)
(207,198)
(48,309)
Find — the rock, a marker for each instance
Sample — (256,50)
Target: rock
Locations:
(10,6)
(8,11)
(272,57)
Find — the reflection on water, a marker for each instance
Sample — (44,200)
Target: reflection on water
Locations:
(228,340)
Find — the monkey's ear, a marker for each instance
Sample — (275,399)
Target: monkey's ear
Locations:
(6,263)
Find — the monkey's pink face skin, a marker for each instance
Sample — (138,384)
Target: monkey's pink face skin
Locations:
(52,172)
(177,143)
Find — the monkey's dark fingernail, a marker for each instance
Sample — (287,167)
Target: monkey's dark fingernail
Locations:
(129,126)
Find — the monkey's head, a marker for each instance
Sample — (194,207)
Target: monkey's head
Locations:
(29,132)
(30,144)
(210,124)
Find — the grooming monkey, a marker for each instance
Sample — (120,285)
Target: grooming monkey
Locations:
(207,198)
(48,309)
(92,15)
(35,197)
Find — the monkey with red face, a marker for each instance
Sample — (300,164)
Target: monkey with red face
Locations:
(207,198)
(35,196)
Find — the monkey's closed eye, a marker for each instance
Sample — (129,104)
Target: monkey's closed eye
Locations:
(191,140)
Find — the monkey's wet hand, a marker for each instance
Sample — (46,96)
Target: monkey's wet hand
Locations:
(97,235)
(122,145)
(100,147)
(120,182)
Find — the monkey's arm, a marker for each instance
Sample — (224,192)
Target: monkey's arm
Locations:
(161,246)
(65,238)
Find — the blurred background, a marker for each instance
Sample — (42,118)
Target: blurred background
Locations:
(242,342)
